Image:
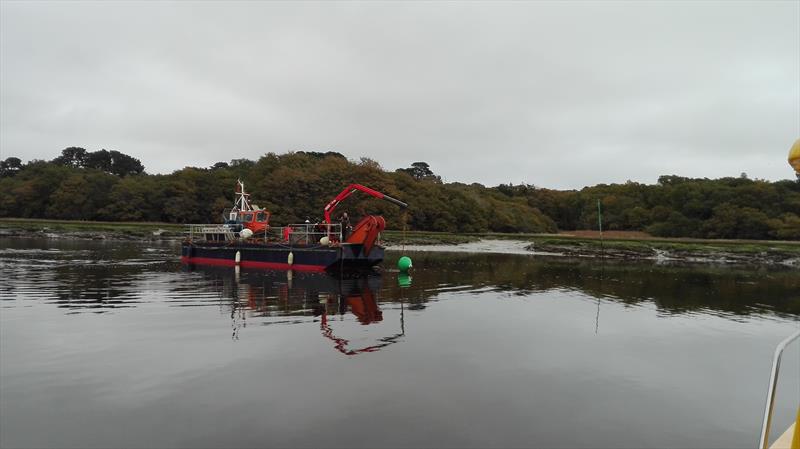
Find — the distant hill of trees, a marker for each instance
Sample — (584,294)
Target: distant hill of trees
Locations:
(109,185)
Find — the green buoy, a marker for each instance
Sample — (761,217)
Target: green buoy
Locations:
(404,280)
(404,264)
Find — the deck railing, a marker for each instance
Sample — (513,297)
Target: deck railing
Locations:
(773,381)
(298,234)
(205,231)
(305,233)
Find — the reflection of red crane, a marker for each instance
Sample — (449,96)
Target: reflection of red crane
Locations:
(366,309)
(367,230)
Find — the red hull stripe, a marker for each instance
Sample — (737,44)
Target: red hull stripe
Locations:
(250,264)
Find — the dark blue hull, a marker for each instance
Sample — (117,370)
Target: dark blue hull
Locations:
(276,256)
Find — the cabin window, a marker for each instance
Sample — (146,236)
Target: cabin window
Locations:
(247,217)
(261,217)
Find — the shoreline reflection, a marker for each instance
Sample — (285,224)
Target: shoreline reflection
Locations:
(91,277)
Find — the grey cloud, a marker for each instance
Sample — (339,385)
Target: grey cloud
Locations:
(555,94)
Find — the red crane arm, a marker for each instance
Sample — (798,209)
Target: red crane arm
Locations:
(352,188)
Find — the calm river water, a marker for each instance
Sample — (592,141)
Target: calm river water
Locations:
(109,344)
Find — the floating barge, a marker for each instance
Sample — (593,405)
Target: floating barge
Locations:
(246,239)
(304,257)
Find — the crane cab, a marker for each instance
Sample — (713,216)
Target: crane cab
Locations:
(245,215)
(256,220)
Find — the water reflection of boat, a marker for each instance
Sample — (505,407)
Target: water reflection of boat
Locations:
(271,294)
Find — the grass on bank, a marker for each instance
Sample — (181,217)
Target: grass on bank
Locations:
(133,229)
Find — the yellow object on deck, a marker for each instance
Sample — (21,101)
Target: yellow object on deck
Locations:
(796,438)
(791,438)
(794,156)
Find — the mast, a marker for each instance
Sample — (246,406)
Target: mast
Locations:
(242,198)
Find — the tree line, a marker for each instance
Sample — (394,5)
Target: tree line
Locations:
(731,208)
(111,186)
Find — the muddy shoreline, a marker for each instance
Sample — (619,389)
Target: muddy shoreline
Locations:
(569,248)
(48,233)
(715,256)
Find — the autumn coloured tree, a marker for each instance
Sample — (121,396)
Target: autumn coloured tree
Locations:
(295,186)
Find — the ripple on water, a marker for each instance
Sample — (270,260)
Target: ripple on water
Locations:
(510,342)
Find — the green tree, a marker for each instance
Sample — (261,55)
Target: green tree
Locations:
(100,160)
(72,157)
(124,165)
(10,167)
(71,201)
(421,171)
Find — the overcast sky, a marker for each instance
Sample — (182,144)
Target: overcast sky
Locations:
(558,95)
